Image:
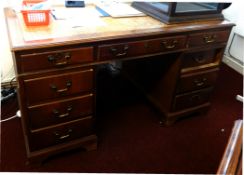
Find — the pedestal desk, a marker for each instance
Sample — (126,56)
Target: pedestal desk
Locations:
(175,66)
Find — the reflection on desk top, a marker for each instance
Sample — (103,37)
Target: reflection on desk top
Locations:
(57,33)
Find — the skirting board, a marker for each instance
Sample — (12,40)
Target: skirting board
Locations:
(233,64)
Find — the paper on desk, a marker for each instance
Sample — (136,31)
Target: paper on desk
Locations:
(78,17)
(67,13)
(119,9)
(84,22)
(59,28)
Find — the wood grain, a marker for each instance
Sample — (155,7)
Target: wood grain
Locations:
(231,162)
(115,28)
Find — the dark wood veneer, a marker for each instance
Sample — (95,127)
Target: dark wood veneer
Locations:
(55,86)
(198,80)
(55,59)
(191,99)
(60,111)
(57,134)
(174,66)
(207,38)
(144,47)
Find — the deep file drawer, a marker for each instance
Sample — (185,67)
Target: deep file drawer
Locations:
(60,111)
(192,99)
(55,59)
(59,134)
(60,85)
(195,81)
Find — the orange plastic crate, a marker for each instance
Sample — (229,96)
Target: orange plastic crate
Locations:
(35,17)
(31,2)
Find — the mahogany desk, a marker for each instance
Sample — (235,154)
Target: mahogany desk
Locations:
(175,66)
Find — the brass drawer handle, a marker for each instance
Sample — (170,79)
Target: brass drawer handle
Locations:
(62,137)
(55,59)
(209,38)
(56,112)
(195,98)
(200,82)
(200,59)
(169,44)
(61,63)
(115,52)
(54,87)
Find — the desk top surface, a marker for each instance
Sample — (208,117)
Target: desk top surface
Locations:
(58,33)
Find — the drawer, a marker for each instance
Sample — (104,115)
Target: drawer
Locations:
(187,100)
(60,111)
(166,44)
(130,49)
(199,58)
(55,59)
(121,50)
(190,82)
(60,85)
(207,38)
(58,134)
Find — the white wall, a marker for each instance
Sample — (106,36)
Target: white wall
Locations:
(235,14)
(6,64)
(234,53)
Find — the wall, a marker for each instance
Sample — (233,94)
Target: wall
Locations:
(6,66)
(234,53)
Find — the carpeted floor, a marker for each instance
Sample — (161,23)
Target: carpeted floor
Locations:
(131,139)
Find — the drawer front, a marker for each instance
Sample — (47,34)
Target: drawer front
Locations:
(60,111)
(190,82)
(55,59)
(166,44)
(199,58)
(192,99)
(207,38)
(121,50)
(45,88)
(61,133)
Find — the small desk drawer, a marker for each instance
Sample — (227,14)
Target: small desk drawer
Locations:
(204,39)
(195,81)
(187,100)
(166,44)
(61,133)
(60,111)
(121,50)
(45,88)
(55,59)
(199,58)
